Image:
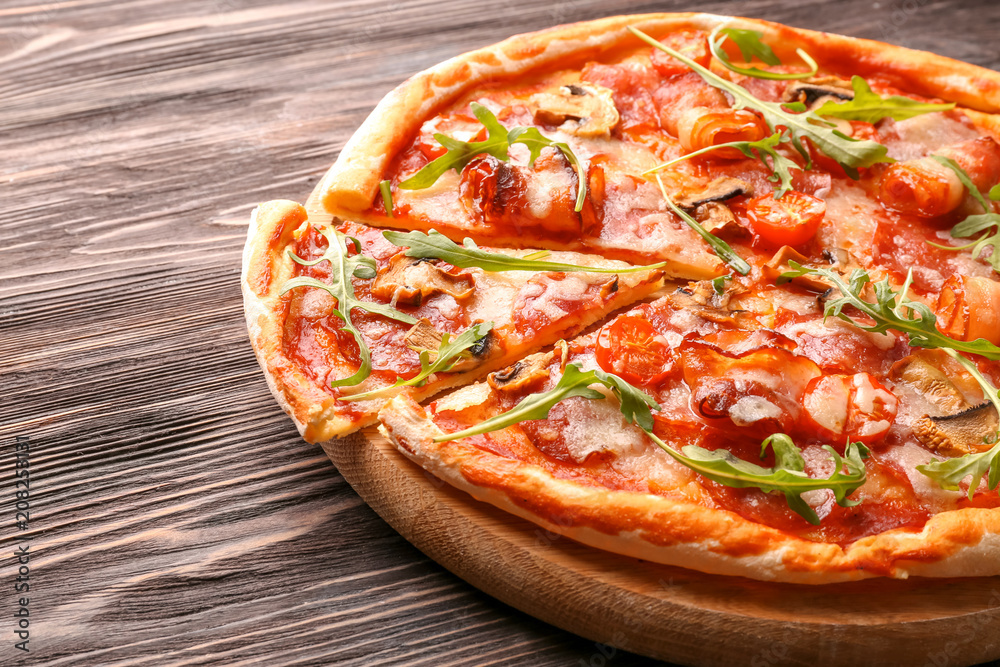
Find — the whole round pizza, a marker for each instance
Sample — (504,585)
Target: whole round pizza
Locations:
(707,291)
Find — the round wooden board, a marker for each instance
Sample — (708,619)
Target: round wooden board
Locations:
(668,612)
(665,612)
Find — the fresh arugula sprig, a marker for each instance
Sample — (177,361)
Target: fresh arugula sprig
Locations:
(342,267)
(779,165)
(721,249)
(891,310)
(974,224)
(497,143)
(435,245)
(787,476)
(749,44)
(635,403)
(449,353)
(721,466)
(851,154)
(870,107)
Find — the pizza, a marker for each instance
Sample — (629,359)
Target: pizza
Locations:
(812,395)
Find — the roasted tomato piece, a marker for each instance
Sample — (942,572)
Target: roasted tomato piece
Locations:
(497,192)
(690,43)
(858,407)
(632,349)
(791,220)
(699,128)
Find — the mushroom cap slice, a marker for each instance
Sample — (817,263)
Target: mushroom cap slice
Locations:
(581,109)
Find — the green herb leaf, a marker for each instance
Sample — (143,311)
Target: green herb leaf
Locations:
(497,143)
(892,310)
(871,107)
(974,224)
(385,187)
(635,403)
(721,249)
(995,192)
(460,153)
(435,245)
(343,267)
(449,353)
(779,165)
(750,46)
(785,477)
(849,153)
(950,472)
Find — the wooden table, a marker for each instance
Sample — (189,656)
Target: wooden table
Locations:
(175,515)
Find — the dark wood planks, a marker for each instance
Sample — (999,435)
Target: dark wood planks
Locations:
(177,517)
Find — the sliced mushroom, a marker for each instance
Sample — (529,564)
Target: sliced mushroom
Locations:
(778,264)
(411,280)
(930,382)
(423,336)
(701,299)
(718,190)
(717,218)
(958,435)
(583,109)
(609,286)
(524,373)
(818,90)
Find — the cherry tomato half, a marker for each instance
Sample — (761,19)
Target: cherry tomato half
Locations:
(633,350)
(791,220)
(852,406)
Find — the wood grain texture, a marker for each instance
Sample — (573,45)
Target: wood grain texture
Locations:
(176,516)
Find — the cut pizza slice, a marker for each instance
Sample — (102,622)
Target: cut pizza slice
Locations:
(737,433)
(588,138)
(341,318)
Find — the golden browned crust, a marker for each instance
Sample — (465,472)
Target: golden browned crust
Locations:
(265,269)
(958,543)
(317,414)
(350,186)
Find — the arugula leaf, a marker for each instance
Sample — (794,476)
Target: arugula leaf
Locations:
(892,310)
(721,249)
(435,245)
(871,107)
(385,187)
(449,353)
(950,472)
(759,150)
(995,192)
(343,266)
(635,403)
(851,154)
(497,143)
(785,477)
(749,44)
(974,224)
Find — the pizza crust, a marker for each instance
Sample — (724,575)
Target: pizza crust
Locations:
(351,185)
(962,543)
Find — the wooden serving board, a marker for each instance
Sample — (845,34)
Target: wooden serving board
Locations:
(667,612)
